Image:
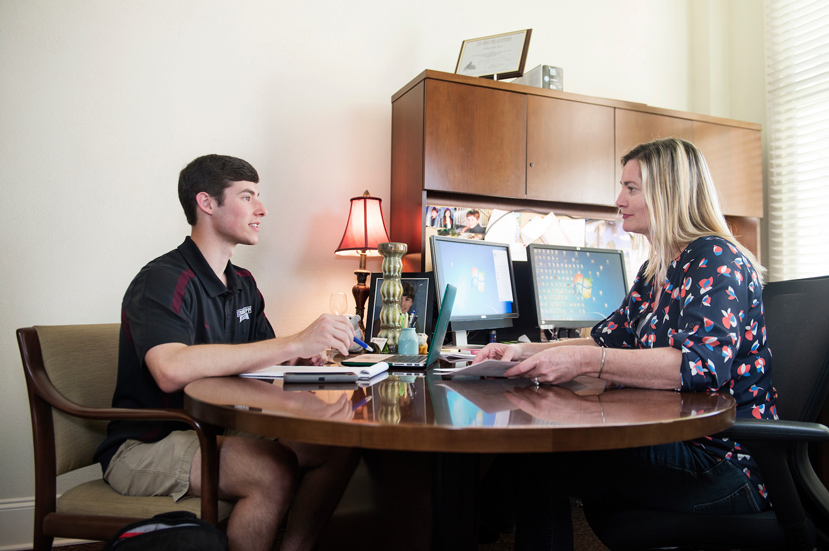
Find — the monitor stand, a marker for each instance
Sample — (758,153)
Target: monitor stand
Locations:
(459,340)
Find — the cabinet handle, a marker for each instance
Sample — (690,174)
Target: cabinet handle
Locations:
(532,165)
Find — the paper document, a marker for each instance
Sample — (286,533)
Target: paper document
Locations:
(503,227)
(455,357)
(277,371)
(487,368)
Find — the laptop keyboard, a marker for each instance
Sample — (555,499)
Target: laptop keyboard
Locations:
(410,359)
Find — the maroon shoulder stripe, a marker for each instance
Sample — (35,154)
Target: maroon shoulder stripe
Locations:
(181,285)
(125,326)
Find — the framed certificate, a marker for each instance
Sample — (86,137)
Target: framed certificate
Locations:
(499,56)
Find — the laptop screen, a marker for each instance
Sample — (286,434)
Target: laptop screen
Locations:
(442,324)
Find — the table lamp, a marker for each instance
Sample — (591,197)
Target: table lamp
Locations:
(364,230)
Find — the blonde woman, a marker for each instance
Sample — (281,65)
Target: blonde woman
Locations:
(693,321)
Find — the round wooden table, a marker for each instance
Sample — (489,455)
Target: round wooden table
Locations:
(419,413)
(458,419)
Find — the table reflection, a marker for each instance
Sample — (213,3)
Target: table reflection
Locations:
(407,399)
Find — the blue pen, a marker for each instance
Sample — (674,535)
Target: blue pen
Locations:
(361,343)
(361,403)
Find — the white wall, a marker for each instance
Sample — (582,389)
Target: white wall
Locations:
(727,42)
(102,103)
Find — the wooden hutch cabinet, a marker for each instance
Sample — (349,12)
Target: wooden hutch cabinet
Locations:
(460,140)
(733,151)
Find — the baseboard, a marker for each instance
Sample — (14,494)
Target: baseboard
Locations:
(16,518)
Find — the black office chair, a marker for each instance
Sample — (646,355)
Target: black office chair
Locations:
(797,324)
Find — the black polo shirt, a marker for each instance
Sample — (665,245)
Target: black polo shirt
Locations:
(176,298)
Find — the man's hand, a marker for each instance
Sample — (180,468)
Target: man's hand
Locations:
(318,359)
(327,331)
(174,365)
(310,405)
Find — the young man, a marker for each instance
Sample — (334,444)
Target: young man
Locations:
(191,314)
(472,224)
(434,219)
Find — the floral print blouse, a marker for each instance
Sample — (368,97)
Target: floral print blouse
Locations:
(711,309)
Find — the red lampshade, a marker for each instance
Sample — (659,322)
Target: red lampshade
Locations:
(365,228)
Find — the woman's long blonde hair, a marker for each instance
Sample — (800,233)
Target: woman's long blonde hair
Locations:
(682,202)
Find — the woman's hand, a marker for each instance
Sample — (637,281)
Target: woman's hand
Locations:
(557,364)
(498,351)
(554,403)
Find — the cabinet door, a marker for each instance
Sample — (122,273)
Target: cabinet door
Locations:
(570,152)
(734,156)
(474,140)
(633,128)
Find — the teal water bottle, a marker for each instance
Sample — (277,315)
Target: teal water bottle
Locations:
(407,342)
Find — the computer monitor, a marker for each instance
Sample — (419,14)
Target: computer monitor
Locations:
(576,286)
(482,273)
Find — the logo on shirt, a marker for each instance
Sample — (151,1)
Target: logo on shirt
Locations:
(243,313)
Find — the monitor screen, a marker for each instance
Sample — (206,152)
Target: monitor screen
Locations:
(576,286)
(482,272)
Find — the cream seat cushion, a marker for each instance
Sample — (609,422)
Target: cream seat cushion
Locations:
(98,498)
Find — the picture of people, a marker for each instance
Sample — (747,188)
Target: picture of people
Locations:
(433,218)
(406,303)
(416,302)
(473,224)
(468,222)
(447,221)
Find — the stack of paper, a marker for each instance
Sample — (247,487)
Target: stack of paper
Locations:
(486,368)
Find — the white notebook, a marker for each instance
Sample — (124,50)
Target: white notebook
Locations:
(277,371)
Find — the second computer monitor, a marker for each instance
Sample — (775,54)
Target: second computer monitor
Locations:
(482,272)
(576,286)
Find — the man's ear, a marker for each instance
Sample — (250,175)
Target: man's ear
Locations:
(205,202)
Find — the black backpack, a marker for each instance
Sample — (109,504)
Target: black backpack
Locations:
(177,530)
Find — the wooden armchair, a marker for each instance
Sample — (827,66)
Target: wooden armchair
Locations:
(70,374)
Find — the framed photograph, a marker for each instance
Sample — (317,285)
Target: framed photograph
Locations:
(418,300)
(498,56)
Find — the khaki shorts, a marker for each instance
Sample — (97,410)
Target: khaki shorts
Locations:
(158,469)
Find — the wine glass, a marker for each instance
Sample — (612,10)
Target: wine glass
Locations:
(337,303)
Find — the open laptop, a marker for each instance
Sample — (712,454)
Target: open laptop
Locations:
(422,361)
